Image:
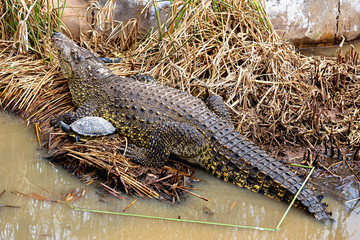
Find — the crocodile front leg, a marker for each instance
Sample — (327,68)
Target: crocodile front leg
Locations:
(87,109)
(181,139)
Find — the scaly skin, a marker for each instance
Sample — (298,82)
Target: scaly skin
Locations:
(160,121)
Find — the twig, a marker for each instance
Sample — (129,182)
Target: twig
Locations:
(37,133)
(112,191)
(196,195)
(352,171)
(2,193)
(129,205)
(232,206)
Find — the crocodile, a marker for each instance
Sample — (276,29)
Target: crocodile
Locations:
(160,121)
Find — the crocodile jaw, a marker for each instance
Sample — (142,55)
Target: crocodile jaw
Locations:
(64,47)
(73,57)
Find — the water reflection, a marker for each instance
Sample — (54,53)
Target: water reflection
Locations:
(22,170)
(330,51)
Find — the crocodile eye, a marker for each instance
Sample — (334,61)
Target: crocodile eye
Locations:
(75,55)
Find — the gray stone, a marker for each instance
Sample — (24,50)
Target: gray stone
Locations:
(127,9)
(74,16)
(316,22)
(76,21)
(349,20)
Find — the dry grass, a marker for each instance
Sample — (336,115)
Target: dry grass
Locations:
(285,102)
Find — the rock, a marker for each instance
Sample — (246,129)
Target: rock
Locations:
(349,20)
(127,9)
(76,21)
(74,16)
(315,22)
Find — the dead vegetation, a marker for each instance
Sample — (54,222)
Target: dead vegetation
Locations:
(292,105)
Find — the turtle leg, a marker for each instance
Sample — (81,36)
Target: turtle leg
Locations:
(77,138)
(87,109)
(164,140)
(217,105)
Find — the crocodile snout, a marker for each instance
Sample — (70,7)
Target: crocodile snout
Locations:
(57,35)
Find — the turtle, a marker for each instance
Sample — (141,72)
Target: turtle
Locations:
(89,127)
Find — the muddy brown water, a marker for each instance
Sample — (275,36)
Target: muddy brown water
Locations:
(331,51)
(23,170)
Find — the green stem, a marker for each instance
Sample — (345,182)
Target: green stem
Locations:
(299,165)
(296,195)
(157,13)
(168,219)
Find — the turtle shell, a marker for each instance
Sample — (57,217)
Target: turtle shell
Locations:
(92,126)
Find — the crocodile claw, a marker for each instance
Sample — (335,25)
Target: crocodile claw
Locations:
(133,152)
(67,118)
(55,122)
(138,155)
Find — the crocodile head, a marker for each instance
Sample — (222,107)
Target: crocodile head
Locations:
(69,54)
(75,60)
(82,68)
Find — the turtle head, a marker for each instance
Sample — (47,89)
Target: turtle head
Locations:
(66,128)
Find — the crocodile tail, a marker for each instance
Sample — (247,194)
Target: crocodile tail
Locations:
(241,162)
